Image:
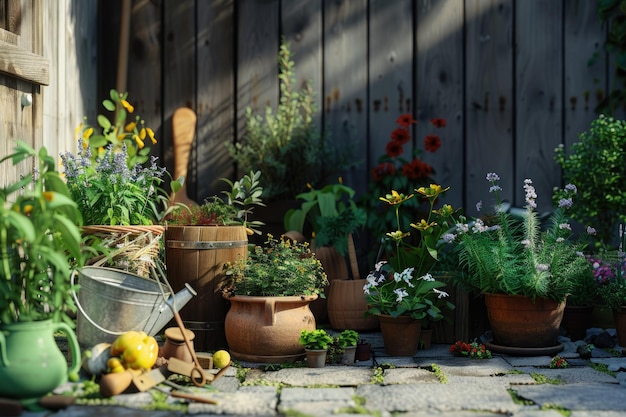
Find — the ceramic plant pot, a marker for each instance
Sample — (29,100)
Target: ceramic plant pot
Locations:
(267,329)
(401,335)
(316,358)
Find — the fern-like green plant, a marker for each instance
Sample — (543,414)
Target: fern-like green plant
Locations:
(514,255)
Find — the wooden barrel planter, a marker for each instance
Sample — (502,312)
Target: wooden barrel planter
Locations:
(196,255)
(347,306)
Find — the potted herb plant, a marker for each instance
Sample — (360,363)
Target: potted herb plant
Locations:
(119,189)
(269,293)
(610,272)
(199,240)
(347,341)
(578,314)
(40,245)
(595,164)
(286,146)
(522,270)
(401,291)
(316,343)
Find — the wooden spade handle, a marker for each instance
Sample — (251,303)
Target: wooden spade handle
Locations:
(183,130)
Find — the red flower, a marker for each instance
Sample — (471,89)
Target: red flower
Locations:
(401,135)
(439,122)
(432,143)
(382,170)
(417,169)
(394,149)
(406,120)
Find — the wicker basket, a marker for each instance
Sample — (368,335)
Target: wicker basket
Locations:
(130,248)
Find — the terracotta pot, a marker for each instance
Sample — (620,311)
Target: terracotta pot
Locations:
(401,335)
(196,255)
(576,321)
(347,306)
(517,321)
(620,325)
(267,329)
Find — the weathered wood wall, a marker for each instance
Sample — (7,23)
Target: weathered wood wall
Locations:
(510,77)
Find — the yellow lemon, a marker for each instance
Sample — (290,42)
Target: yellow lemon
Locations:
(221,358)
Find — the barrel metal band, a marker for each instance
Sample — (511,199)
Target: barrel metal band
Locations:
(199,245)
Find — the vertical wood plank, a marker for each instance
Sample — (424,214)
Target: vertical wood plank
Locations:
(489,100)
(144,66)
(257,59)
(216,104)
(345,81)
(179,70)
(391,73)
(439,83)
(539,61)
(301,22)
(584,37)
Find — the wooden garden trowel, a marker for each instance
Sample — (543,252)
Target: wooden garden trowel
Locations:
(183,130)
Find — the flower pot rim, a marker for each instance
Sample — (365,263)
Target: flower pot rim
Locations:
(278,298)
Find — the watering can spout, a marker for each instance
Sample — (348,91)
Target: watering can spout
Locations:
(166,310)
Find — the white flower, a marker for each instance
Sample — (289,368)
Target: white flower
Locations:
(428,277)
(401,293)
(440,294)
(565,226)
(448,237)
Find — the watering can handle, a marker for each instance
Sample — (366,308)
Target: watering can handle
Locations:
(89,319)
(73,345)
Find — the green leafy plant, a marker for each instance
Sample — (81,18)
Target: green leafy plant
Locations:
(284,144)
(235,209)
(330,213)
(511,256)
(394,172)
(316,339)
(347,338)
(277,268)
(404,285)
(609,270)
(595,165)
(40,242)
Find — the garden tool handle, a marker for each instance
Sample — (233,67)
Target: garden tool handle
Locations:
(196,368)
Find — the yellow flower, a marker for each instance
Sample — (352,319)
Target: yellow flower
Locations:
(433,191)
(48,196)
(423,225)
(445,211)
(340,180)
(395,197)
(140,143)
(121,136)
(78,130)
(398,235)
(130,127)
(151,135)
(127,106)
(28,208)
(142,133)
(87,133)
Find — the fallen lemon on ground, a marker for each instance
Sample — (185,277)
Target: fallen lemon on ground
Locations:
(221,358)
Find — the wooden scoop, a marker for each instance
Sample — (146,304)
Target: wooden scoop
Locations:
(183,130)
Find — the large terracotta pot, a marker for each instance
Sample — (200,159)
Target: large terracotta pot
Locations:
(517,321)
(401,335)
(267,329)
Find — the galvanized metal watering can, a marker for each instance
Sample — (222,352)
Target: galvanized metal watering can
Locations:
(111,302)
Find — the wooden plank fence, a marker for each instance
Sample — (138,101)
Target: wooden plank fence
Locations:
(510,76)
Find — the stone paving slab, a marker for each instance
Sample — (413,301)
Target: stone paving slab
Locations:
(316,401)
(329,375)
(614,364)
(577,396)
(506,380)
(573,375)
(255,400)
(441,397)
(520,413)
(465,366)
(409,376)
